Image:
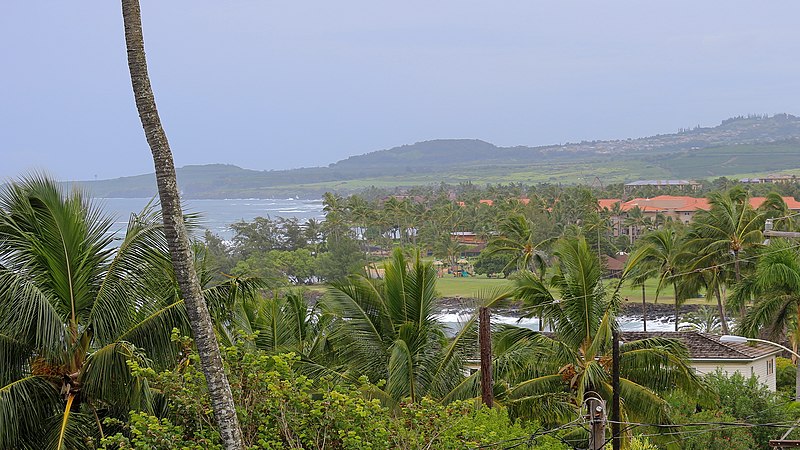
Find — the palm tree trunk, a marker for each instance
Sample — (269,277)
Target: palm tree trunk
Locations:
(797,369)
(743,307)
(721,308)
(644,309)
(675,293)
(177,238)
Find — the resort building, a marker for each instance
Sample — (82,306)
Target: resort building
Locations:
(633,217)
(774,179)
(683,185)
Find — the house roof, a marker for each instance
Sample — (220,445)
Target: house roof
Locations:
(615,264)
(607,203)
(661,183)
(708,346)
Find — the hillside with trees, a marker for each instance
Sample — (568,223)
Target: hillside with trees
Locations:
(740,146)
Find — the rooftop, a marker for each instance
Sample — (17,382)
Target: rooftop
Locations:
(708,346)
(664,203)
(661,183)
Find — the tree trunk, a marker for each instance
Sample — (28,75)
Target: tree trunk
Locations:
(175,231)
(675,293)
(721,308)
(743,307)
(644,309)
(485,343)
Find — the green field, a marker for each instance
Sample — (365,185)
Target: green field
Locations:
(471,287)
(480,287)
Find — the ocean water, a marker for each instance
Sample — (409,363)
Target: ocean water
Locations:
(216,215)
(455,320)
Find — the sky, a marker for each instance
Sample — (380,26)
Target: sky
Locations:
(266,84)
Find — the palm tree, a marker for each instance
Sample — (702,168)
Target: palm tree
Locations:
(516,238)
(387,330)
(75,309)
(774,207)
(335,224)
(548,376)
(729,227)
(775,288)
(663,254)
(637,223)
(704,320)
(177,237)
(282,323)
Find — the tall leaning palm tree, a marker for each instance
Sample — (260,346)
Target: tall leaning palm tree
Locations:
(175,231)
(75,309)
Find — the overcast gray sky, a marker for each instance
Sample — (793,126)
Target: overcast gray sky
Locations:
(282,84)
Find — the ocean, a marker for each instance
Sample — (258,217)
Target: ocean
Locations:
(217,215)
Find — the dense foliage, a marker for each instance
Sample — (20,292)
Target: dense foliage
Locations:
(88,353)
(280,408)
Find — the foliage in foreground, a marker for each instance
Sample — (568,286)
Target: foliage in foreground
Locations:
(741,400)
(279,408)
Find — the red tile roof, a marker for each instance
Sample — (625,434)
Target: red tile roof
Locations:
(607,203)
(664,203)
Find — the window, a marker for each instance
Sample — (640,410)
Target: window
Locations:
(770,366)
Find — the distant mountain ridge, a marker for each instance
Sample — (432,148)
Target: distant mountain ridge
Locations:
(736,146)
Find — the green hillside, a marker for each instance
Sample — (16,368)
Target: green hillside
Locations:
(746,145)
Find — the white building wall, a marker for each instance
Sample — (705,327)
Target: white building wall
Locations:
(756,367)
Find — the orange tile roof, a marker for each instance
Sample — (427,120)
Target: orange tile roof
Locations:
(607,203)
(663,203)
(791,203)
(667,203)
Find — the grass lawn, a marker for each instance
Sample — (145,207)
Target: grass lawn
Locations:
(467,287)
(470,287)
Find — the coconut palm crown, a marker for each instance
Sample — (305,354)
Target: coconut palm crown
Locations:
(74,311)
(562,368)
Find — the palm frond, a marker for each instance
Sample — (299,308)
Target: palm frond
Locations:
(25,406)
(152,331)
(107,379)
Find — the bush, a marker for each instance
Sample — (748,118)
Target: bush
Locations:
(739,400)
(785,376)
(281,408)
(706,437)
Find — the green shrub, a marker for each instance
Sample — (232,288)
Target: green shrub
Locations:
(279,408)
(785,376)
(739,400)
(706,437)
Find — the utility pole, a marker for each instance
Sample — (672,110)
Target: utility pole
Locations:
(597,422)
(485,341)
(615,435)
(769,232)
